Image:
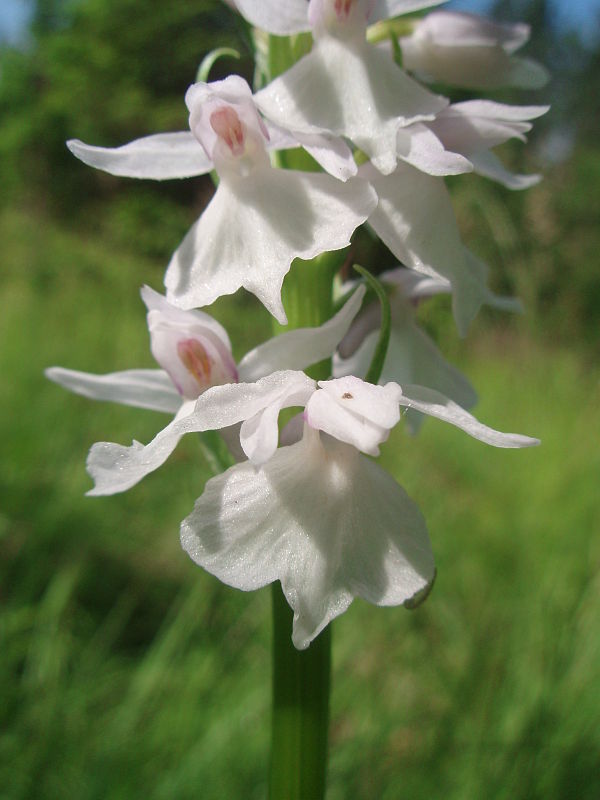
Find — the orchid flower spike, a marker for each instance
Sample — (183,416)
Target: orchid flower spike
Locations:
(474,127)
(260,218)
(412,356)
(194,354)
(345,86)
(469,51)
(328,523)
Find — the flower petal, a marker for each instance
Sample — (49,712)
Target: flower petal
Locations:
(329,524)
(489,165)
(369,320)
(281,17)
(459,28)
(190,345)
(355,412)
(419,146)
(142,388)
(412,357)
(385,9)
(302,347)
(437,405)
(355,91)
(154,301)
(378,404)
(331,152)
(115,468)
(470,51)
(409,201)
(479,271)
(489,109)
(259,434)
(477,125)
(254,227)
(415,285)
(159,157)
(226,122)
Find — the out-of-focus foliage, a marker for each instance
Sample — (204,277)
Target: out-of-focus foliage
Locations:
(544,245)
(574,89)
(105,71)
(128,672)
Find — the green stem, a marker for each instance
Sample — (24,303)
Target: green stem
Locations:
(300,710)
(301,678)
(378,358)
(307,294)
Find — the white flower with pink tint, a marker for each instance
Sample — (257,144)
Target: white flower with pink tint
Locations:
(473,128)
(412,356)
(345,86)
(415,220)
(195,355)
(260,218)
(470,51)
(318,516)
(284,17)
(191,346)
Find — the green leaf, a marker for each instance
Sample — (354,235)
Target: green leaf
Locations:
(376,366)
(210,58)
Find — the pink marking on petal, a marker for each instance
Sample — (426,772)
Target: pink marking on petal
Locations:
(196,360)
(228,126)
(342,8)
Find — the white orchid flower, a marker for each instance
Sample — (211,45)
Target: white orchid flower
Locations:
(321,518)
(345,86)
(362,414)
(195,355)
(284,17)
(474,127)
(260,218)
(467,50)
(410,203)
(412,357)
(168,156)
(420,146)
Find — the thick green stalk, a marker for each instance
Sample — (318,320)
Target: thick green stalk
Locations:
(301,678)
(300,710)
(307,294)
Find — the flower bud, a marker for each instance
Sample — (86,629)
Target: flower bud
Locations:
(225,121)
(190,346)
(469,51)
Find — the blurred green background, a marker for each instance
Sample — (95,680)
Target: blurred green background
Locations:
(125,670)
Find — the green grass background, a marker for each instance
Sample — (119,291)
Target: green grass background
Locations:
(127,672)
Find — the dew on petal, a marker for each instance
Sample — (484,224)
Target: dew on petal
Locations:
(228,127)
